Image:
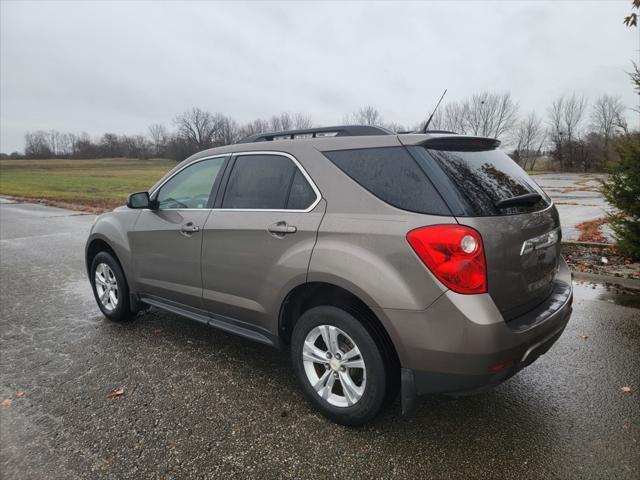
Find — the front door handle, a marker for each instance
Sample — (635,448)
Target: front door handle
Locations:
(281,229)
(189,228)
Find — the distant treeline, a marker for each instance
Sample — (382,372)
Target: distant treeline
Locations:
(576,135)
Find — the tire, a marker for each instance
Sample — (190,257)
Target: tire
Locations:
(117,284)
(366,389)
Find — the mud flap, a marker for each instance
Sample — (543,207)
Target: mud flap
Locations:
(407,391)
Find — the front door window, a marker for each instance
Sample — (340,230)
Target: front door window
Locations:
(190,188)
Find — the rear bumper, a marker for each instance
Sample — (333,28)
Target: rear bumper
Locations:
(415,383)
(462,345)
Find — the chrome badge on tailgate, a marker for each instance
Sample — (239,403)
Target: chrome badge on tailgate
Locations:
(541,241)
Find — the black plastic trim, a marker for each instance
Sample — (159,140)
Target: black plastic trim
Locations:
(227,324)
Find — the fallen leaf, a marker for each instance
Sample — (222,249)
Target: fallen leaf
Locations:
(6,402)
(19,393)
(626,389)
(116,393)
(584,337)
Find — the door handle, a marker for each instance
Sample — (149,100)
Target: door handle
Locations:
(189,228)
(281,228)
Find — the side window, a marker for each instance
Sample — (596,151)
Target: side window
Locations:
(259,182)
(392,175)
(301,195)
(191,187)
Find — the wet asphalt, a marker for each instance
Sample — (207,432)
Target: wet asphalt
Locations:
(199,403)
(578,199)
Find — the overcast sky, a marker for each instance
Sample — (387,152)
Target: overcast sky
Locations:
(121,66)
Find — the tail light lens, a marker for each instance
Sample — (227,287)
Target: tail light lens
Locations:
(454,254)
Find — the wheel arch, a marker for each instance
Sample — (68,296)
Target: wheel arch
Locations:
(312,294)
(98,243)
(95,246)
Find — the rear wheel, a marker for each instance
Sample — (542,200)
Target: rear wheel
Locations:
(110,288)
(339,365)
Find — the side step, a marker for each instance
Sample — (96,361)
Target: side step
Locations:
(220,322)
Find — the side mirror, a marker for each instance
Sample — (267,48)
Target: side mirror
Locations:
(141,200)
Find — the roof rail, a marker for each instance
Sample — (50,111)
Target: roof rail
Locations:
(337,131)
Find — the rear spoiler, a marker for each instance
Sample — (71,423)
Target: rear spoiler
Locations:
(462,143)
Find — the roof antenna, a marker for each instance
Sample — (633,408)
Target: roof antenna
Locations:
(426,125)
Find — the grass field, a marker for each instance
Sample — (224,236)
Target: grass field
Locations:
(98,183)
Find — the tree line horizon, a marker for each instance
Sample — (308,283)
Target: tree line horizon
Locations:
(576,135)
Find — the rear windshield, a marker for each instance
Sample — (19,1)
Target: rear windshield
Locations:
(473,181)
(392,175)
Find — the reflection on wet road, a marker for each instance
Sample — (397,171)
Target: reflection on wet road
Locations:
(612,294)
(199,403)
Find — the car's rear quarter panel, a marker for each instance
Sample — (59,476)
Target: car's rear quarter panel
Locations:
(362,244)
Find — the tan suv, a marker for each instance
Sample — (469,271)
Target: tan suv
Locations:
(426,263)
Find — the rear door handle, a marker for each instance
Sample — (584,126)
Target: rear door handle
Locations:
(281,228)
(189,228)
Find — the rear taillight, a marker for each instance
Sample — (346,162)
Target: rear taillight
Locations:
(454,254)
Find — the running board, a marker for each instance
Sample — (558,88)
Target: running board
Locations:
(220,322)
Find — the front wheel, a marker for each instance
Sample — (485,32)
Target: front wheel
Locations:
(339,365)
(110,288)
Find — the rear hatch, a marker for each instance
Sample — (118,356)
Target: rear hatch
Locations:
(521,236)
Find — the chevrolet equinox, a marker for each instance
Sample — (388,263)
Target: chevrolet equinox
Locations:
(413,263)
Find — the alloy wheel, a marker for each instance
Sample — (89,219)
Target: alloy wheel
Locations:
(334,366)
(106,287)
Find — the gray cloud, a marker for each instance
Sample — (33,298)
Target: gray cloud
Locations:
(119,66)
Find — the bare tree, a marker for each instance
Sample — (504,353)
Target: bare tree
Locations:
(257,126)
(395,127)
(450,117)
(566,115)
(301,121)
(135,146)
(556,132)
(159,136)
(490,114)
(36,145)
(485,114)
(228,131)
(281,122)
(530,137)
(65,145)
(198,127)
(367,115)
(573,115)
(54,139)
(607,114)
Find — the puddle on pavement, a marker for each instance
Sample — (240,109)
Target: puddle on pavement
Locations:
(608,293)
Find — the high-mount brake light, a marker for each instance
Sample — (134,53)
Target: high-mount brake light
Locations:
(454,254)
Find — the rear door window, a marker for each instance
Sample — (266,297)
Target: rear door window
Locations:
(472,182)
(267,182)
(392,175)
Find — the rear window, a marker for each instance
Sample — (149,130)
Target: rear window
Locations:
(392,175)
(472,182)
